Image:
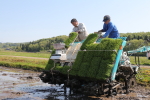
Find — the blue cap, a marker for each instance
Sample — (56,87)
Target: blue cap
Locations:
(106,17)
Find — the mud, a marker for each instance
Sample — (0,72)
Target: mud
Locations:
(18,84)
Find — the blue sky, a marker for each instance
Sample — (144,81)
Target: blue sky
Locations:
(28,20)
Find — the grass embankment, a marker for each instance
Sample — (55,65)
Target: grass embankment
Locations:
(143,60)
(24,63)
(144,78)
(26,54)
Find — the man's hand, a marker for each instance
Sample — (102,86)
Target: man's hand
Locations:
(101,37)
(78,31)
(100,31)
(69,35)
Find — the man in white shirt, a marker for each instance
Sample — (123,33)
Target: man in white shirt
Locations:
(80,29)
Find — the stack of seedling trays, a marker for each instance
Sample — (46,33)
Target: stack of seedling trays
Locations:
(94,61)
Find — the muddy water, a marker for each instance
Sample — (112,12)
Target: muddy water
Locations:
(17,84)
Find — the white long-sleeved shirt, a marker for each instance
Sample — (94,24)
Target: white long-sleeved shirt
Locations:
(83,32)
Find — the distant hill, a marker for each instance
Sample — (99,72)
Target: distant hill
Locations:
(134,39)
(138,35)
(40,45)
(9,46)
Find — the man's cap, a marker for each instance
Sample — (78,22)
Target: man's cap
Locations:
(106,17)
(73,20)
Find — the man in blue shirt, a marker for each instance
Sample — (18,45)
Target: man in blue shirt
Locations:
(109,28)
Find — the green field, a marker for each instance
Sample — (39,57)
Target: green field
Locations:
(143,60)
(26,54)
(9,59)
(25,63)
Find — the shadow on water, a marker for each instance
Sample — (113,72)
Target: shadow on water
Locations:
(25,85)
(50,92)
(42,92)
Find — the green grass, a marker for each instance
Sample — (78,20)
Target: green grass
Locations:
(145,77)
(143,60)
(145,72)
(24,63)
(26,54)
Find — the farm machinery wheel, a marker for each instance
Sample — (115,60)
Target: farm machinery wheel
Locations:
(52,77)
(45,76)
(132,82)
(119,90)
(127,81)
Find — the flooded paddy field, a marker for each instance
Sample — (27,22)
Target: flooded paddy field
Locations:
(18,84)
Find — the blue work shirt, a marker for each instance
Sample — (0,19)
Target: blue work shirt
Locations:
(111,30)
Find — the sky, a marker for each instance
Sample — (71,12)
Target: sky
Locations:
(30,20)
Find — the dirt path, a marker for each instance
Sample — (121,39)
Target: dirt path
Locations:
(18,84)
(145,66)
(26,57)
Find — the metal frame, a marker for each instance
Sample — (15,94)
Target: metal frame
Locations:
(113,74)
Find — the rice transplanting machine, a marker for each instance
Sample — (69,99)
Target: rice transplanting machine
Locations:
(121,79)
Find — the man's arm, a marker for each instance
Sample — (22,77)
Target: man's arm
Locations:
(73,30)
(109,30)
(103,30)
(81,28)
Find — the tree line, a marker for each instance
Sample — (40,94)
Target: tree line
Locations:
(40,45)
(137,36)
(9,46)
(134,41)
